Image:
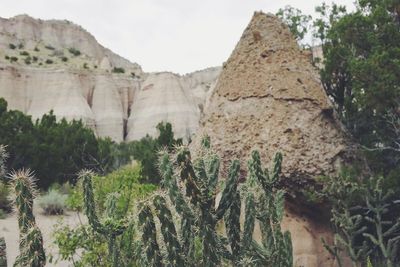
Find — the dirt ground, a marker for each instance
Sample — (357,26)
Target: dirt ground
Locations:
(9,229)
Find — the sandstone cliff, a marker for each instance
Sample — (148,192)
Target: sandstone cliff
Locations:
(57,65)
(269,97)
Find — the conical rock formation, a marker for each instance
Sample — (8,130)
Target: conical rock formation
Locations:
(269,97)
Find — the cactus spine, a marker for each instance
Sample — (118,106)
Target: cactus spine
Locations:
(193,189)
(111,227)
(31,240)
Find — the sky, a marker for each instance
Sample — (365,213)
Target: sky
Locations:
(161,35)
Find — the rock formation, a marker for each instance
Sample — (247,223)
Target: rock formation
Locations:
(269,97)
(57,65)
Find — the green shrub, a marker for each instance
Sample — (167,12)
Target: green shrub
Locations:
(20,46)
(5,203)
(27,60)
(24,53)
(74,51)
(13,59)
(12,46)
(91,246)
(125,181)
(49,61)
(35,58)
(118,70)
(7,57)
(85,66)
(36,49)
(52,203)
(64,59)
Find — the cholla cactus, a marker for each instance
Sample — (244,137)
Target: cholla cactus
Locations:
(31,240)
(266,203)
(110,227)
(3,252)
(193,189)
(3,157)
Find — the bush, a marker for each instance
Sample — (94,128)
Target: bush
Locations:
(125,181)
(7,57)
(64,59)
(5,203)
(53,202)
(24,53)
(12,46)
(13,59)
(85,66)
(20,46)
(118,70)
(49,61)
(34,58)
(36,49)
(27,60)
(74,51)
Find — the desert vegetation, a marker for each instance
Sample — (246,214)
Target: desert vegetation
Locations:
(161,201)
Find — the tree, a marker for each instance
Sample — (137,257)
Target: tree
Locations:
(298,22)
(361,66)
(56,150)
(146,150)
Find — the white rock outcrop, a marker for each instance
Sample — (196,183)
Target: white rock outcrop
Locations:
(123,106)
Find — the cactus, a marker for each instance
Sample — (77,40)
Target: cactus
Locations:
(31,240)
(3,252)
(3,157)
(111,227)
(266,203)
(193,190)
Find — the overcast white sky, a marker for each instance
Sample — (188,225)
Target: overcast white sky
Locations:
(174,35)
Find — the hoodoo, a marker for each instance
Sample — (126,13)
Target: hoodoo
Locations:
(269,97)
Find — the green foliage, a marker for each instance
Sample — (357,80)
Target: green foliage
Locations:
(74,51)
(64,59)
(146,151)
(91,246)
(125,181)
(85,66)
(361,65)
(24,53)
(36,49)
(118,70)
(13,59)
(31,240)
(82,238)
(35,59)
(52,203)
(192,190)
(49,47)
(12,46)
(49,61)
(298,23)
(55,150)
(366,219)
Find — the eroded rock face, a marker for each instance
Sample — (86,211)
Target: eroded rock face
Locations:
(269,97)
(59,66)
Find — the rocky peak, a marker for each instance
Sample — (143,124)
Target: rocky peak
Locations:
(269,97)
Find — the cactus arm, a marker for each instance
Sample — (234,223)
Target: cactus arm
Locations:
(31,240)
(229,190)
(232,224)
(149,237)
(89,204)
(169,233)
